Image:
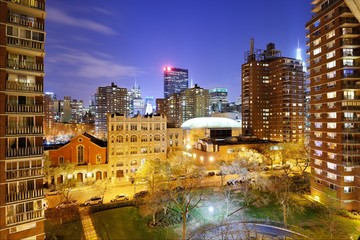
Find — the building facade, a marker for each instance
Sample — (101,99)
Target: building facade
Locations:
(193,102)
(109,99)
(334,60)
(22,50)
(218,98)
(176,80)
(133,140)
(85,153)
(273,95)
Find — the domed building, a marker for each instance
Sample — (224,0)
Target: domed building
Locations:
(209,127)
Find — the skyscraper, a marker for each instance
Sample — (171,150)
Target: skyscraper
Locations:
(273,95)
(22,38)
(176,80)
(193,102)
(109,99)
(334,58)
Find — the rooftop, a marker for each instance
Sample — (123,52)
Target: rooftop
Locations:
(210,122)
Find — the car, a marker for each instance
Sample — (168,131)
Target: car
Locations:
(93,201)
(232,182)
(141,194)
(66,204)
(277,167)
(120,197)
(52,192)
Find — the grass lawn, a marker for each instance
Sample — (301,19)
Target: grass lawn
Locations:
(69,230)
(127,223)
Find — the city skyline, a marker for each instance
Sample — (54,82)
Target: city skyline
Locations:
(127,41)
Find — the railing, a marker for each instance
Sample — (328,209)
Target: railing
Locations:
(23,173)
(22,217)
(18,152)
(28,87)
(24,108)
(30,3)
(16,196)
(25,43)
(15,19)
(25,65)
(24,130)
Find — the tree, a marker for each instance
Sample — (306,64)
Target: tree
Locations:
(101,186)
(68,182)
(185,196)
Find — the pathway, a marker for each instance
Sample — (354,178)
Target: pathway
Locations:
(88,226)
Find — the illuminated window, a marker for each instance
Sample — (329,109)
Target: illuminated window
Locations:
(332,115)
(348,189)
(348,52)
(331,74)
(317,162)
(349,179)
(348,62)
(331,166)
(331,125)
(331,135)
(98,158)
(330,34)
(133,163)
(317,41)
(331,95)
(318,125)
(331,64)
(318,134)
(317,51)
(318,143)
(330,54)
(318,171)
(331,176)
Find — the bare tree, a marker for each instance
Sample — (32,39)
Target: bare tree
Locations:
(101,186)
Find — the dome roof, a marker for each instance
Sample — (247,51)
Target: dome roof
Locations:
(210,122)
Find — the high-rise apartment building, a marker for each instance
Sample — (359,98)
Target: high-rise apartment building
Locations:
(218,98)
(49,118)
(22,50)
(193,102)
(273,95)
(109,99)
(334,72)
(176,80)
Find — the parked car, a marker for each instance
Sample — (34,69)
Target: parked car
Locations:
(52,192)
(66,204)
(120,197)
(141,194)
(232,182)
(93,201)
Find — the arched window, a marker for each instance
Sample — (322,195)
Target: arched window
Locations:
(119,139)
(144,138)
(80,154)
(133,163)
(61,160)
(157,137)
(98,158)
(133,138)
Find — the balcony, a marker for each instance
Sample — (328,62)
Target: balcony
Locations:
(24,130)
(17,196)
(25,65)
(15,19)
(25,43)
(23,152)
(23,217)
(23,173)
(24,108)
(30,3)
(24,87)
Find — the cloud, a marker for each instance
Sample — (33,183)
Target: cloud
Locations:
(93,65)
(61,17)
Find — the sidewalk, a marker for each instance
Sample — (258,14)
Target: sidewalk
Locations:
(88,227)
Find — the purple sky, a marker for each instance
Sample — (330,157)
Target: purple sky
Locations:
(93,43)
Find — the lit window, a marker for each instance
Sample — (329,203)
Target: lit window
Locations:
(348,178)
(317,51)
(330,54)
(331,176)
(317,162)
(348,189)
(331,166)
(331,125)
(331,64)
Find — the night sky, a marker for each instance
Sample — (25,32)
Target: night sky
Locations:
(93,43)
